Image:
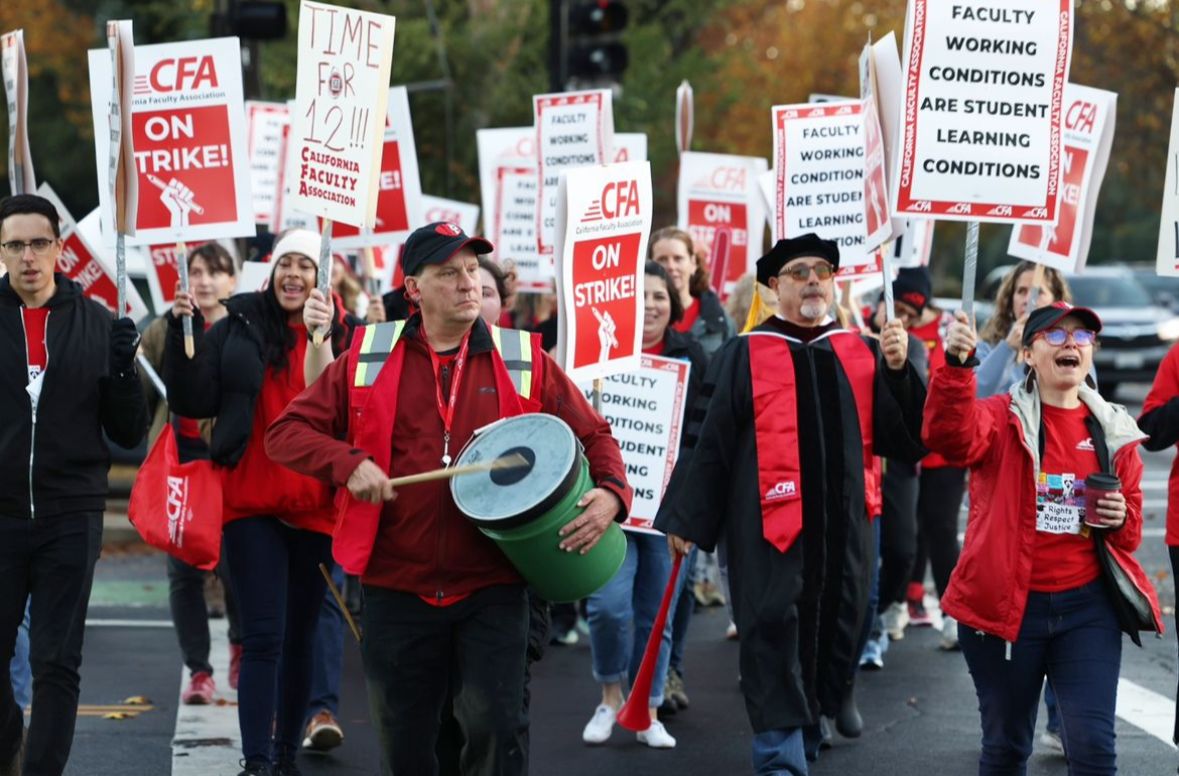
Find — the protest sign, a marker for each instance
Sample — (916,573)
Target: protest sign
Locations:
(573,129)
(603,219)
(981,126)
(685,116)
(399,195)
(819,178)
(84,261)
(285,216)
(1089,116)
(508,184)
(338,124)
(645,410)
(878,224)
(464,214)
(190,156)
(112,75)
(253,276)
(163,272)
(264,133)
(21,179)
(718,199)
(630,147)
(912,249)
(1167,258)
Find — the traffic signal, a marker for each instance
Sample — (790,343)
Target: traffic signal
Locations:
(592,53)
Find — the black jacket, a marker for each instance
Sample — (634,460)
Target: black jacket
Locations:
(224,377)
(682,346)
(62,461)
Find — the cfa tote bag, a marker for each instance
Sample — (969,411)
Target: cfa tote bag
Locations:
(176,507)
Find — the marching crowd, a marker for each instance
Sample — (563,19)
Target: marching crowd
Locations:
(825,456)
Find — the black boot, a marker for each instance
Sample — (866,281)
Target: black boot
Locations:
(848,722)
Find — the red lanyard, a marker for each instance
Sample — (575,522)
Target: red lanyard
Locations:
(446,407)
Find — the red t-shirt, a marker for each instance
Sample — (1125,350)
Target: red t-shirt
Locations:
(655,350)
(1062,559)
(38,357)
(930,333)
(691,313)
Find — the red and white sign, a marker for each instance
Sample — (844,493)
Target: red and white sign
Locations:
(881,76)
(1089,116)
(720,206)
(464,214)
(573,129)
(630,147)
(189,128)
(21,179)
(399,186)
(603,219)
(819,178)
(1167,257)
(113,131)
(645,410)
(285,216)
(264,135)
(984,93)
(508,185)
(877,221)
(337,126)
(84,261)
(913,248)
(163,273)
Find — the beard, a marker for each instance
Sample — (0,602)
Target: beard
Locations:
(813,309)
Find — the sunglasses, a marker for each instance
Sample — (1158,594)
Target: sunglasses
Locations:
(802,273)
(1057,336)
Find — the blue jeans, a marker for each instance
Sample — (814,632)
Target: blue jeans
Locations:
(685,605)
(1073,638)
(329,652)
(779,753)
(621,614)
(19,668)
(1050,705)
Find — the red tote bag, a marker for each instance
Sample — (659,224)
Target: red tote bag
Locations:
(176,507)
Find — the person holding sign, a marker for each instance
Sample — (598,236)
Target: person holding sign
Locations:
(443,606)
(278,524)
(623,612)
(1029,587)
(70,376)
(796,521)
(704,317)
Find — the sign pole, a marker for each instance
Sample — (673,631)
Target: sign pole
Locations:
(324,280)
(598,395)
(121,274)
(1037,284)
(182,269)
(969,271)
(890,312)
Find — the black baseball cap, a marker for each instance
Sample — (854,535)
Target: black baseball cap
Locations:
(1048,316)
(785,251)
(435,243)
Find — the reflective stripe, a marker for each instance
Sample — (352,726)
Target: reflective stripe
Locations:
(516,351)
(375,347)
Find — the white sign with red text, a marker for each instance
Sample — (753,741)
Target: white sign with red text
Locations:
(264,135)
(645,410)
(464,214)
(285,216)
(877,221)
(163,272)
(189,129)
(720,206)
(981,123)
(603,220)
(338,124)
(1167,257)
(1089,116)
(508,184)
(629,147)
(573,129)
(21,179)
(84,261)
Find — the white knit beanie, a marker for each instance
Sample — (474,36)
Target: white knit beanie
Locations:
(302,241)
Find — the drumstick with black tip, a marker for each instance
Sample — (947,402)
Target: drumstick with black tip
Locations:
(327,575)
(514,461)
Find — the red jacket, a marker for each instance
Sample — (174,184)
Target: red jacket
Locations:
(424,545)
(1160,419)
(997,438)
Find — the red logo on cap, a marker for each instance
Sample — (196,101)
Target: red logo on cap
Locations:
(448,230)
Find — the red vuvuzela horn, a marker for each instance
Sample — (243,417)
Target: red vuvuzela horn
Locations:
(635,714)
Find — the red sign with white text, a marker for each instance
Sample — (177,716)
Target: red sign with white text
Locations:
(163,273)
(604,294)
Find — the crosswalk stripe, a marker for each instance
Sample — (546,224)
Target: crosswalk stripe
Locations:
(1146,710)
(207,738)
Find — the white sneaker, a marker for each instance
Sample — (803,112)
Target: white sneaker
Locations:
(896,618)
(598,729)
(656,736)
(1052,742)
(949,640)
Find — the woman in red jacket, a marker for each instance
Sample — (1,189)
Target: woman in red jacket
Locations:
(1027,588)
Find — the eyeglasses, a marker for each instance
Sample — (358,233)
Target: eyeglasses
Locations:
(802,272)
(14,249)
(1058,336)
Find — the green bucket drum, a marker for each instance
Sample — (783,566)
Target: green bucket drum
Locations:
(523,508)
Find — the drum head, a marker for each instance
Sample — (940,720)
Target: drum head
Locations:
(513,496)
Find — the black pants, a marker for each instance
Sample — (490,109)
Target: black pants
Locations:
(415,653)
(898,532)
(1174,553)
(51,561)
(938,505)
(190,615)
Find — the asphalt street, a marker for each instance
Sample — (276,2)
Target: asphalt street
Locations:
(920,712)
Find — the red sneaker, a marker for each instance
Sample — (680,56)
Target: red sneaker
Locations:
(200,690)
(235,664)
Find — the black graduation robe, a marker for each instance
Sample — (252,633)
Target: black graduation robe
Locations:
(800,612)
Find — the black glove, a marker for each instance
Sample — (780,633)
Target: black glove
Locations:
(124,341)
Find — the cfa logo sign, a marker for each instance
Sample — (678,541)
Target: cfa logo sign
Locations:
(783,489)
(962,208)
(620,199)
(724,179)
(177,74)
(177,509)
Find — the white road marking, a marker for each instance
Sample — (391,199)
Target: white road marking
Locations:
(207,741)
(1146,710)
(101,623)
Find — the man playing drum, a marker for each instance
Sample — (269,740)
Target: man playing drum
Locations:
(784,465)
(443,606)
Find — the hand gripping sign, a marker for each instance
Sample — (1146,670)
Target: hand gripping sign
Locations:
(191,162)
(603,219)
(983,103)
(21,179)
(1089,116)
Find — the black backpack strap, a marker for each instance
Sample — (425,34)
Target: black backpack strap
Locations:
(1097,436)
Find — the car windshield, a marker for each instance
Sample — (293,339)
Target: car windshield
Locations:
(1108,291)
